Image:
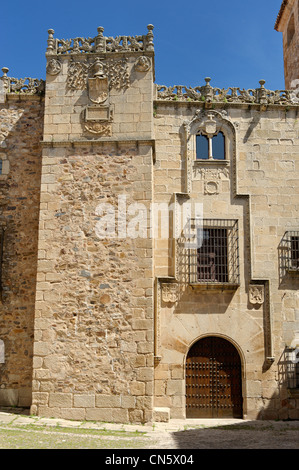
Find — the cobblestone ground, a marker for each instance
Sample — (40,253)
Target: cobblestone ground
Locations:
(20,431)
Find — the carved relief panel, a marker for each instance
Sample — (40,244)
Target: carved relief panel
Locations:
(256,294)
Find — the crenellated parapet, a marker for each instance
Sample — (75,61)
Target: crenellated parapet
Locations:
(100,43)
(208,94)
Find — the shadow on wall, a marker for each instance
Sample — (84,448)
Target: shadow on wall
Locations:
(283,404)
(243,435)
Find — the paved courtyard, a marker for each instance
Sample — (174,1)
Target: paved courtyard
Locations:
(19,431)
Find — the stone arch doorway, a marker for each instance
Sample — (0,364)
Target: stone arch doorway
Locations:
(213,380)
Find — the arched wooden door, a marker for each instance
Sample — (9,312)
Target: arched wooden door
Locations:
(213,380)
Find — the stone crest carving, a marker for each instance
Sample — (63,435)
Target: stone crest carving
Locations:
(169,292)
(101,129)
(143,64)
(98,88)
(210,125)
(211,187)
(212,174)
(256,294)
(54,67)
(115,72)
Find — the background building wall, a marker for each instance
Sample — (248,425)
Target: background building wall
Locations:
(288,24)
(21,122)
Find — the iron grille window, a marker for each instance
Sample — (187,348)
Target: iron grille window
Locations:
(295,252)
(290,251)
(293,368)
(215,259)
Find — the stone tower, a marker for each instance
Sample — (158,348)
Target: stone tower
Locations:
(288,24)
(97,159)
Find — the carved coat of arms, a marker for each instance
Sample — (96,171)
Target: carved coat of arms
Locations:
(169,292)
(256,294)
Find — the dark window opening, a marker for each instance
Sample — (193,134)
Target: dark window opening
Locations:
(218,144)
(214,258)
(210,147)
(295,252)
(292,361)
(202,147)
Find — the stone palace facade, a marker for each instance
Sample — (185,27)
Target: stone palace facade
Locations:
(149,239)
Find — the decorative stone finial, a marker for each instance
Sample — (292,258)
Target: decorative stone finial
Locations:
(100,42)
(150,38)
(51,41)
(5,79)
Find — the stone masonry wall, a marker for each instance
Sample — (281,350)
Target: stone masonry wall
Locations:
(260,190)
(21,121)
(93,350)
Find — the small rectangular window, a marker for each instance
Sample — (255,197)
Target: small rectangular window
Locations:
(0,167)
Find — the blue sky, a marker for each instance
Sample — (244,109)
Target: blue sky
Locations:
(232,41)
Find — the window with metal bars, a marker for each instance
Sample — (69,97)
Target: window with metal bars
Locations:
(293,368)
(215,260)
(289,252)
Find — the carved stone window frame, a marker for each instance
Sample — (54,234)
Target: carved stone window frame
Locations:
(208,122)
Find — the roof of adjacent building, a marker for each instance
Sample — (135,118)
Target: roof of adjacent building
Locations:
(282,8)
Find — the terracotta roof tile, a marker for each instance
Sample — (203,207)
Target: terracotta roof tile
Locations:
(282,8)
